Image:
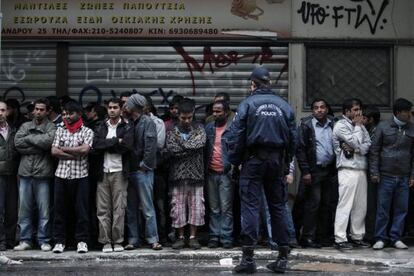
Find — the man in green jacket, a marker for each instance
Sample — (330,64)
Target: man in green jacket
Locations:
(33,141)
(8,181)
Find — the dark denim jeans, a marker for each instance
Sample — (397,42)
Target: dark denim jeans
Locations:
(220,198)
(143,183)
(393,193)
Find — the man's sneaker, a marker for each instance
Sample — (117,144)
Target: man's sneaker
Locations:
(212,244)
(400,245)
(45,247)
(118,247)
(58,248)
(343,246)
(130,247)
(22,246)
(378,245)
(194,244)
(82,247)
(360,244)
(178,244)
(107,248)
(3,246)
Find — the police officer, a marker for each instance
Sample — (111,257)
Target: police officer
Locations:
(262,139)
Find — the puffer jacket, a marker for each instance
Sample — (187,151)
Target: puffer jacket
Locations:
(9,157)
(34,142)
(355,136)
(263,120)
(392,150)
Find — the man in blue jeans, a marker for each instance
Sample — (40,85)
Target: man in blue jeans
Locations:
(219,188)
(33,141)
(392,166)
(143,162)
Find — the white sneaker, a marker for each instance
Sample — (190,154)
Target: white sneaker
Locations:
(378,245)
(107,248)
(118,247)
(400,245)
(22,246)
(58,248)
(45,247)
(82,247)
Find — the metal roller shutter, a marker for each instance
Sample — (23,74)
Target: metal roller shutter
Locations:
(99,72)
(28,71)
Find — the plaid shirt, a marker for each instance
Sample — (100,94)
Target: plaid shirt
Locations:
(78,168)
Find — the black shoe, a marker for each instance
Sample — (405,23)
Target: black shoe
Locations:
(3,247)
(360,244)
(178,244)
(247,264)
(308,243)
(280,265)
(212,244)
(343,246)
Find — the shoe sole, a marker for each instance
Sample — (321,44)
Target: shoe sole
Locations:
(276,270)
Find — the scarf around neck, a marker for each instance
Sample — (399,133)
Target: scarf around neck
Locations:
(72,128)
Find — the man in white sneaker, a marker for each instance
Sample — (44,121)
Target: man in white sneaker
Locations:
(33,141)
(71,146)
(112,145)
(392,168)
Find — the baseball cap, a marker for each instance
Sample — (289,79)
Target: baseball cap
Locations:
(260,73)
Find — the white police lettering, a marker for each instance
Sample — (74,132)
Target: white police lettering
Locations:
(269,110)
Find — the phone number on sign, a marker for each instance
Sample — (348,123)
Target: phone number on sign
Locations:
(191,31)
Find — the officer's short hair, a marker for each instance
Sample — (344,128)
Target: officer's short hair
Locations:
(349,103)
(187,105)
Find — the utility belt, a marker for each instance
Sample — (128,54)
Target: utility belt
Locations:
(264,153)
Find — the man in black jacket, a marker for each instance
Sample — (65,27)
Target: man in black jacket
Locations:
(316,159)
(143,163)
(392,167)
(113,142)
(9,161)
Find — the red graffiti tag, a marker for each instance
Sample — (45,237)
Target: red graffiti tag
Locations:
(220,60)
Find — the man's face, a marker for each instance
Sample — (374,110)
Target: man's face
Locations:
(40,112)
(185,119)
(356,109)
(320,110)
(174,111)
(126,112)
(71,117)
(91,114)
(219,113)
(114,110)
(404,116)
(3,113)
(124,99)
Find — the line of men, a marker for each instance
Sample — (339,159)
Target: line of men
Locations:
(57,157)
(356,173)
(347,166)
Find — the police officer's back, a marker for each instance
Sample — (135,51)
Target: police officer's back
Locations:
(261,139)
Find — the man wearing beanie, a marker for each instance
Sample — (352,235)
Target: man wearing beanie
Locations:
(143,161)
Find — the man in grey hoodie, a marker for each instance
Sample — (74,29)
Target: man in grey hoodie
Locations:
(351,145)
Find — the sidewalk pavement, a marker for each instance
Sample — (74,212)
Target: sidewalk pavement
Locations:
(388,257)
